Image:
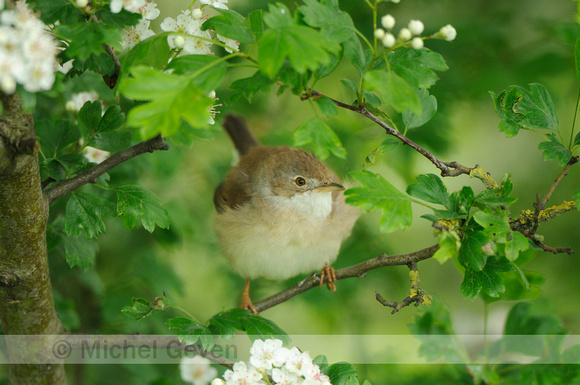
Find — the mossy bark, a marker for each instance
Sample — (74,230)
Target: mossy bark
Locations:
(26,302)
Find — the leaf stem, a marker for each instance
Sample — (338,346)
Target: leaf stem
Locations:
(574,121)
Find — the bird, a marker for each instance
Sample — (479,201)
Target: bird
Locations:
(280,212)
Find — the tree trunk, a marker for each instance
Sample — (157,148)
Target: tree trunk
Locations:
(26,302)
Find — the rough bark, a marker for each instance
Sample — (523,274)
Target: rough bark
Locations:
(26,302)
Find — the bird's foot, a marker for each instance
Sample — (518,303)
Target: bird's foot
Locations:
(246,301)
(329,274)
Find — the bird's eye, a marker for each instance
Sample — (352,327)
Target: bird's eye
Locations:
(300,181)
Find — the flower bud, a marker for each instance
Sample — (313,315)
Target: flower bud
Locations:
(82,3)
(196,14)
(388,21)
(179,41)
(448,32)
(379,33)
(405,34)
(416,27)
(417,43)
(8,85)
(389,40)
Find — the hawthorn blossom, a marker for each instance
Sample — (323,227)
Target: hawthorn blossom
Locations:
(416,27)
(96,155)
(243,375)
(134,34)
(388,21)
(197,370)
(77,101)
(448,32)
(417,43)
(215,3)
(389,40)
(266,354)
(27,51)
(186,24)
(129,5)
(230,43)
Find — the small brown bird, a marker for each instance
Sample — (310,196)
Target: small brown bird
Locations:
(280,212)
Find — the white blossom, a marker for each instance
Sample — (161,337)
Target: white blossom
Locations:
(285,377)
(27,51)
(448,32)
(416,27)
(129,5)
(405,34)
(82,3)
(243,375)
(215,3)
(389,40)
(78,100)
(186,24)
(268,353)
(197,370)
(134,34)
(417,43)
(196,13)
(230,43)
(388,21)
(150,11)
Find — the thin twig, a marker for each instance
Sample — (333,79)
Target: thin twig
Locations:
(355,271)
(543,246)
(564,172)
(447,168)
(90,176)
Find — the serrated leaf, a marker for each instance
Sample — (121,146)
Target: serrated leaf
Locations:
(515,244)
(327,107)
(112,119)
(190,331)
(140,309)
(449,244)
(249,87)
(321,137)
(260,328)
(350,85)
(226,323)
(354,53)
(555,150)
(230,24)
(170,98)
(322,362)
(153,51)
(473,251)
(417,66)
(376,194)
(56,10)
(120,19)
(487,279)
(257,23)
(135,202)
(341,372)
(89,118)
(85,212)
(86,39)
(429,188)
(278,15)
(208,70)
(394,91)
(493,224)
(54,138)
(80,252)
(429,108)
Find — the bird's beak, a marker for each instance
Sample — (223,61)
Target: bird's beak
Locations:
(330,186)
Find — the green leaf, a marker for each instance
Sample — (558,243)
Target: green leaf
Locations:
(230,24)
(226,323)
(394,91)
(86,39)
(322,362)
(429,108)
(497,197)
(140,309)
(249,87)
(257,23)
(354,53)
(327,107)
(190,331)
(494,224)
(135,202)
(171,97)
(417,66)
(449,245)
(474,249)
(112,119)
(80,252)
(55,10)
(576,139)
(208,70)
(429,188)
(260,328)
(321,137)
(341,372)
(119,20)
(55,138)
(376,194)
(278,15)
(350,85)
(278,44)
(89,118)
(487,279)
(555,150)
(85,212)
(515,245)
(334,23)
(152,52)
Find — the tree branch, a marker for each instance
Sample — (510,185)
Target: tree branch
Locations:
(447,168)
(90,176)
(564,172)
(355,271)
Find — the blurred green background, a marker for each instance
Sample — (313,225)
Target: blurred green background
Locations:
(499,43)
